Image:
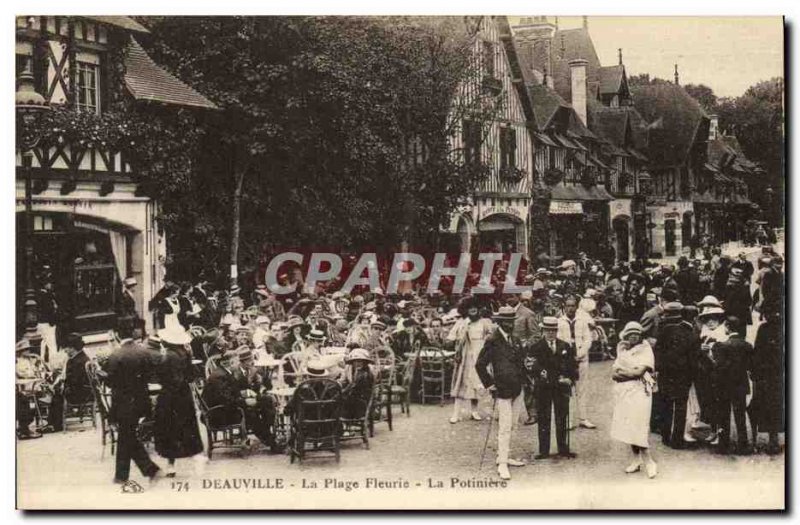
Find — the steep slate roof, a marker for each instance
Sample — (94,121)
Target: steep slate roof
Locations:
(123,22)
(519,74)
(546,103)
(611,79)
(610,123)
(146,80)
(576,44)
(682,121)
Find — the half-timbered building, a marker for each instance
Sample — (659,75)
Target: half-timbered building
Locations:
(92,228)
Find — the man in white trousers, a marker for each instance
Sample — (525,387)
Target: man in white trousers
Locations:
(501,368)
(574,329)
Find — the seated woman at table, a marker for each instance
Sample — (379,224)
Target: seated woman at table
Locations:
(357,382)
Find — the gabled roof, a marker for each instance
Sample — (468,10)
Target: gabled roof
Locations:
(569,44)
(123,22)
(611,78)
(682,122)
(146,80)
(611,123)
(546,103)
(519,77)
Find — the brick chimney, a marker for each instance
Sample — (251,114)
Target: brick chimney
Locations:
(577,69)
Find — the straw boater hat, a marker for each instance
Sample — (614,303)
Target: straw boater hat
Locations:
(549,323)
(245,354)
(358,354)
(317,368)
(174,336)
(673,309)
(378,324)
(569,263)
(130,281)
(235,290)
(505,313)
(294,321)
(711,311)
(154,342)
(22,345)
(262,319)
(316,335)
(709,300)
(631,328)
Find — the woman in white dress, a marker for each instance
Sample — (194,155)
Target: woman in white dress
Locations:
(469,334)
(632,372)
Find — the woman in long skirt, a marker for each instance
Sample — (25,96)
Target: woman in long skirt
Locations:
(176,432)
(633,387)
(468,334)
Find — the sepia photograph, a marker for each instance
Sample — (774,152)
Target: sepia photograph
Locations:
(462,262)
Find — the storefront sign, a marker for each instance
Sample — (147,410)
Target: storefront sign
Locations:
(566,208)
(500,210)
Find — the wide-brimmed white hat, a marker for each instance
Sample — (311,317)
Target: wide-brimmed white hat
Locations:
(709,300)
(711,311)
(359,354)
(631,328)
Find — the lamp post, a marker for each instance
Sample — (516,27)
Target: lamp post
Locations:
(28,104)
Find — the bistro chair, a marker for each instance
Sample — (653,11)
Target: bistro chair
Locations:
(221,433)
(382,391)
(401,391)
(433,372)
(315,418)
(82,410)
(102,398)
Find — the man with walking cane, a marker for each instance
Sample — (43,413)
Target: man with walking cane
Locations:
(506,356)
(555,370)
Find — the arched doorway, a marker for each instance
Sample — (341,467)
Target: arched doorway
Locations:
(501,233)
(621,225)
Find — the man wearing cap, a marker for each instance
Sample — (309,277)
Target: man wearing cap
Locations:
(129,369)
(552,365)
(574,329)
(504,353)
(675,349)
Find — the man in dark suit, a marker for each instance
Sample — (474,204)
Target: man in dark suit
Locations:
(72,383)
(128,370)
(505,355)
(675,353)
(730,385)
(554,369)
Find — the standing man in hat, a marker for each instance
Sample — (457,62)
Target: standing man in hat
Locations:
(504,353)
(128,369)
(730,386)
(767,407)
(574,330)
(737,299)
(675,349)
(555,371)
(48,316)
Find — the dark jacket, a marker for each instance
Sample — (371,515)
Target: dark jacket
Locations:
(508,368)
(560,364)
(676,350)
(688,282)
(731,359)
(224,388)
(737,302)
(76,382)
(767,370)
(129,369)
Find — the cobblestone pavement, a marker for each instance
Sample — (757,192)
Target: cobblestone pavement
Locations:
(70,470)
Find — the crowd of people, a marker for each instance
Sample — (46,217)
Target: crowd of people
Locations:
(676,334)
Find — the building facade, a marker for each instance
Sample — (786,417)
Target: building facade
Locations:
(498,218)
(92,226)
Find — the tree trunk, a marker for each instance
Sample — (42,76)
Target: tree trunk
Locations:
(237,208)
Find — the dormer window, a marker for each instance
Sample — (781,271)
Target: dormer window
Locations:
(87,85)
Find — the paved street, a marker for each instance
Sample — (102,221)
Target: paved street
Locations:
(69,467)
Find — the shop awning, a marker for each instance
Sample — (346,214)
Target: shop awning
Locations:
(566,208)
(579,192)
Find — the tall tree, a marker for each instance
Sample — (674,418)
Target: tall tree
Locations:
(703,94)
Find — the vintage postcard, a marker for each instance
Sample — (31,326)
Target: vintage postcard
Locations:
(400,262)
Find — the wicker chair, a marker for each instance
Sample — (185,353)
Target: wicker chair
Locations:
(315,422)
(433,371)
(386,366)
(230,435)
(359,426)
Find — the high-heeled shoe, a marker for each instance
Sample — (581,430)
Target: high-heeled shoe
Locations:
(652,469)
